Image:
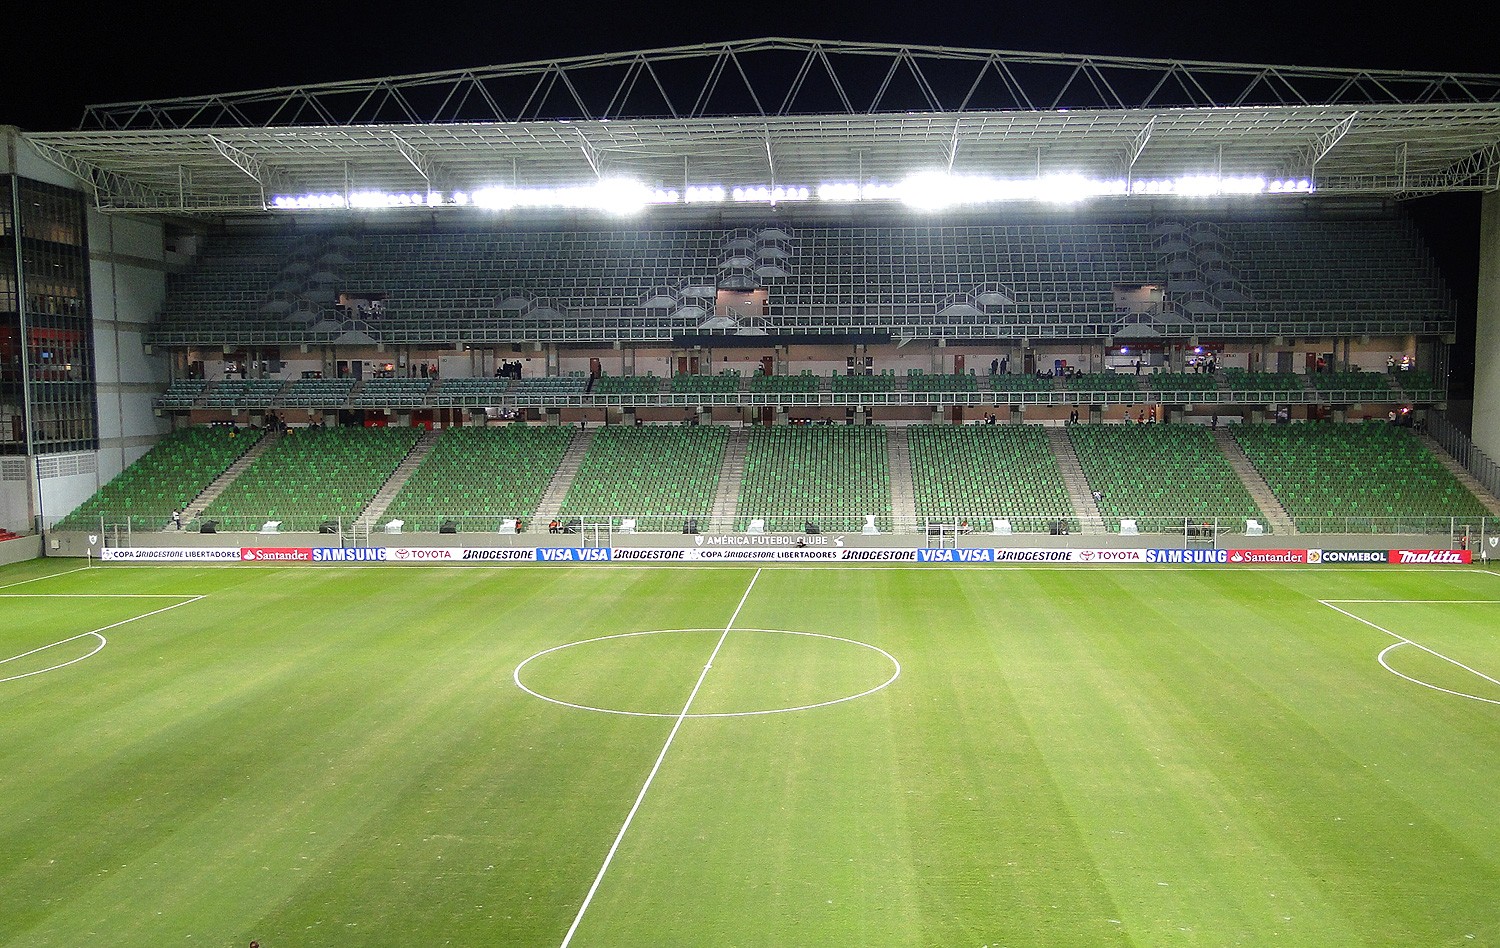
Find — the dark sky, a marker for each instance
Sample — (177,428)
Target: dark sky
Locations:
(65,56)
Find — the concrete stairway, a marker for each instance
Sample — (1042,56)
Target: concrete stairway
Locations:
(903,494)
(375,509)
(731,475)
(217,485)
(1079,492)
(1260,492)
(567,469)
(1490,502)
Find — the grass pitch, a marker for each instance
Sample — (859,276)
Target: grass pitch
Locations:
(1074,756)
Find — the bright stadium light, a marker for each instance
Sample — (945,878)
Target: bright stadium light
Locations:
(926,190)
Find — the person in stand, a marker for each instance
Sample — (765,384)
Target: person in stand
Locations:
(177,519)
(994,366)
(554,526)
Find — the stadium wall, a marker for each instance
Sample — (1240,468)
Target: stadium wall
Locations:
(1487,331)
(127,277)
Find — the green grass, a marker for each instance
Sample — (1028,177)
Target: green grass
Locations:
(1075,756)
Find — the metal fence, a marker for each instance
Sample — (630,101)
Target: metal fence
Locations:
(135,530)
(1453,440)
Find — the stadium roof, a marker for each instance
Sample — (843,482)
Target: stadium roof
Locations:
(792,114)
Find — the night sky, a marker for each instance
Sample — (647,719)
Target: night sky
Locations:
(60,57)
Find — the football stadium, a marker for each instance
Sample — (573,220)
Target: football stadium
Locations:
(770,492)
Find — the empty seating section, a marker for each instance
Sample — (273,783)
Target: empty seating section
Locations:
(1313,271)
(865,384)
(478,477)
(802,382)
(831,475)
(1271,277)
(166,478)
(647,384)
(1276,383)
(1325,473)
(1102,382)
(1181,382)
(660,476)
(725,383)
(982,472)
(242,393)
(1414,381)
(919,381)
(469,393)
(1020,383)
(181,393)
(317,393)
(393,393)
(312,475)
(543,387)
(1357,383)
(1158,475)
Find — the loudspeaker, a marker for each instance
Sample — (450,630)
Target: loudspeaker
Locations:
(448,526)
(328,526)
(810,528)
(209,526)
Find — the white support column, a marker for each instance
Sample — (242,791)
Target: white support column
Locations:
(1487,332)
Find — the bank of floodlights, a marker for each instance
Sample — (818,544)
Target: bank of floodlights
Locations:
(924,191)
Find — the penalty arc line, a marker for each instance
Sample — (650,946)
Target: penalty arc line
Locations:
(1403,640)
(96,634)
(640,797)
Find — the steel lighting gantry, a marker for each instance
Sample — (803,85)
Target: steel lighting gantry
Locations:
(844,121)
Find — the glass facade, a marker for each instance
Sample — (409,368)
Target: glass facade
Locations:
(47,396)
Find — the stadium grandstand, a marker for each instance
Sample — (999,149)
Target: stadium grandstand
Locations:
(777,492)
(1194,247)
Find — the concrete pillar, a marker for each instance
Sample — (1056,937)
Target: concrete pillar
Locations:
(1014,415)
(1096,414)
(554,363)
(1487,331)
(937,414)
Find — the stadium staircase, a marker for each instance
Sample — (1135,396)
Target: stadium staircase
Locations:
(217,486)
(1490,502)
(903,495)
(393,484)
(1089,521)
(557,491)
(731,475)
(1260,492)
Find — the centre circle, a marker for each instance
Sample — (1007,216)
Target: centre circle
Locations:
(755,671)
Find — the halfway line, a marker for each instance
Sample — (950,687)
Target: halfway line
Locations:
(657,766)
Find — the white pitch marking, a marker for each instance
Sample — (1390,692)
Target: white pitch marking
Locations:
(1416,602)
(682,716)
(516,676)
(1425,684)
(97,596)
(1403,640)
(37,579)
(96,633)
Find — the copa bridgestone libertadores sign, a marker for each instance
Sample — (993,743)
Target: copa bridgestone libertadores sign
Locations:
(564,554)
